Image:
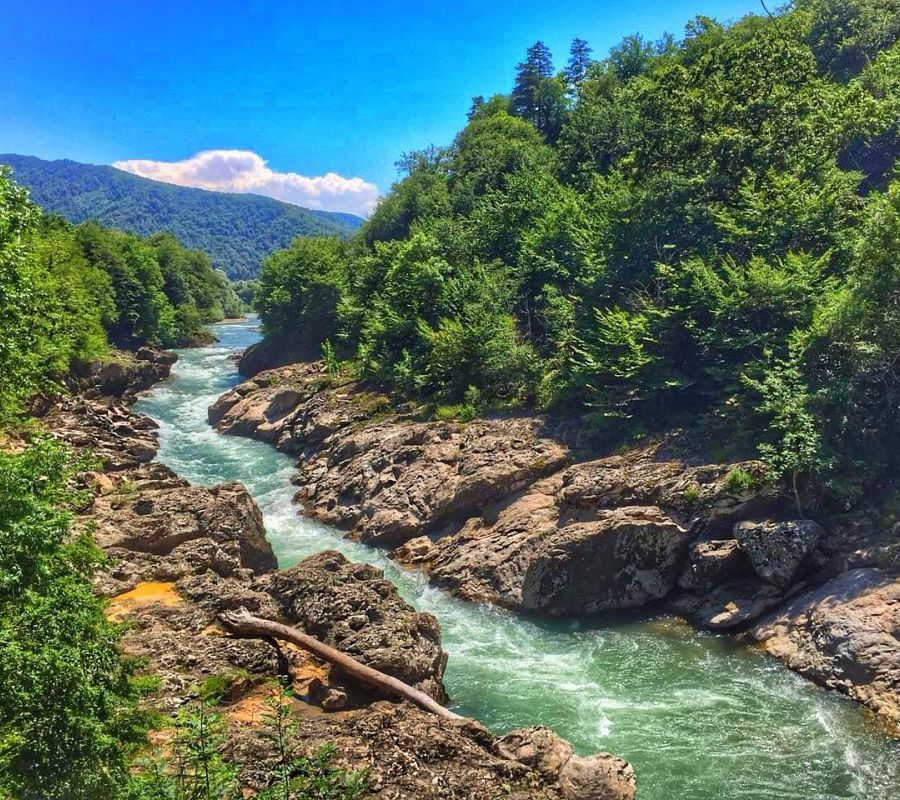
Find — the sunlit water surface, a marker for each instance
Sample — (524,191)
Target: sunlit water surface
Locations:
(699,717)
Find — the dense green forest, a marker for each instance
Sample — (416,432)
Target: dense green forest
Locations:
(697,228)
(72,724)
(236,230)
(69,716)
(67,293)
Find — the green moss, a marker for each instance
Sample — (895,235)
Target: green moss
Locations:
(222,684)
(461,412)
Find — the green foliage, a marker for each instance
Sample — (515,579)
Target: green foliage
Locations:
(461,412)
(696,226)
(299,777)
(162,293)
(795,448)
(245,290)
(692,494)
(300,289)
(194,768)
(193,765)
(739,480)
(66,292)
(236,230)
(69,718)
(217,686)
(21,356)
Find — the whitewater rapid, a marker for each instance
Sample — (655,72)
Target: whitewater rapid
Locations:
(700,717)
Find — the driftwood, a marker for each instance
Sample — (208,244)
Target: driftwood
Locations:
(243,623)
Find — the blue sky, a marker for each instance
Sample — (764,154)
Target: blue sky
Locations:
(311,88)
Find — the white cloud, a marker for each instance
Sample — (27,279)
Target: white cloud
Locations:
(245,171)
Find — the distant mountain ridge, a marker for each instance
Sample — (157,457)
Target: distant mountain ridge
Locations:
(236,230)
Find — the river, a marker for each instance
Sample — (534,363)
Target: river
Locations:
(699,716)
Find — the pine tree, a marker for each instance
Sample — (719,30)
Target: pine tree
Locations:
(538,96)
(530,76)
(579,61)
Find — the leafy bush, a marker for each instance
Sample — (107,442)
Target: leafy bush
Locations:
(68,702)
(704,226)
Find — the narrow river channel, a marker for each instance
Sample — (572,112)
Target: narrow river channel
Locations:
(699,716)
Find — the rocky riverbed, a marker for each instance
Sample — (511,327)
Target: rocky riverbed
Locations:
(518,512)
(182,554)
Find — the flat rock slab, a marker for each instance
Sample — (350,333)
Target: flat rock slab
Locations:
(391,482)
(844,635)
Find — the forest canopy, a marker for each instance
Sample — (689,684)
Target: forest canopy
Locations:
(67,294)
(708,225)
(235,230)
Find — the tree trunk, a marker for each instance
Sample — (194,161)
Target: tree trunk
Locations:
(243,623)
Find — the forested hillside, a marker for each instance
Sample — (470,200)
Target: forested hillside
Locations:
(696,229)
(68,293)
(236,230)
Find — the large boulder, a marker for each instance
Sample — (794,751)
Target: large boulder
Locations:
(409,754)
(844,635)
(279,351)
(625,558)
(136,516)
(597,777)
(538,554)
(353,608)
(714,562)
(777,549)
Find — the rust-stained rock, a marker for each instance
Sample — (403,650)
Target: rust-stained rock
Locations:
(353,608)
(142,595)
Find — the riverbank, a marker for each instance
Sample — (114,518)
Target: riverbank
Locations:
(651,690)
(182,554)
(507,511)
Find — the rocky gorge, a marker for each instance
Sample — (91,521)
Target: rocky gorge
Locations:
(519,512)
(182,554)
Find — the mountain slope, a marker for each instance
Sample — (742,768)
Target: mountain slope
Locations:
(236,230)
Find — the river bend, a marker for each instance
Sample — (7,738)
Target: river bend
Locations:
(699,716)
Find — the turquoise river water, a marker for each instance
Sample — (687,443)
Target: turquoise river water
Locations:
(699,716)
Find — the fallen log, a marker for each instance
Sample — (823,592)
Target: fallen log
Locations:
(243,623)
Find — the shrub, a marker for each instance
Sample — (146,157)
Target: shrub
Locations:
(68,701)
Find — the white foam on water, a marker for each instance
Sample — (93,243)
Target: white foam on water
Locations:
(699,717)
